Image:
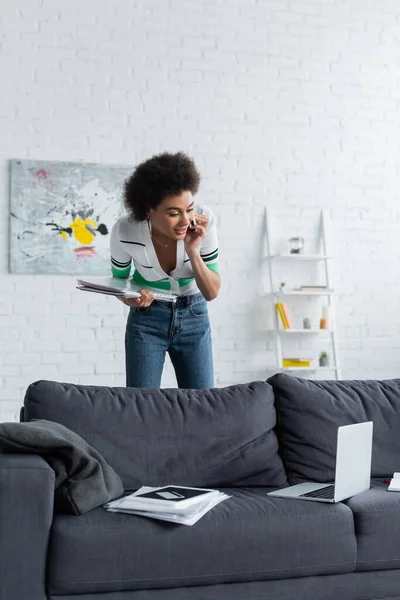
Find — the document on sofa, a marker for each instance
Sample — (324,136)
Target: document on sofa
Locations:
(394,485)
(177,504)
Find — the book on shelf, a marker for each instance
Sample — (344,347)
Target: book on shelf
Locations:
(296,362)
(281,314)
(178,504)
(115,286)
(315,288)
(287,316)
(284,315)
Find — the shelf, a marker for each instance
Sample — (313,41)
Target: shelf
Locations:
(306,331)
(298,257)
(308,368)
(304,293)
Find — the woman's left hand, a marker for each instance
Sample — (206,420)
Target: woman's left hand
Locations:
(145,299)
(195,234)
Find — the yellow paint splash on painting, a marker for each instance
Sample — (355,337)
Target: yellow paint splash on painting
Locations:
(82,230)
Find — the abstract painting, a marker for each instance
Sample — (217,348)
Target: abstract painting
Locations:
(62,214)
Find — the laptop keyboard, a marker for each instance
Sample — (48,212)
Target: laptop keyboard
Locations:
(327,492)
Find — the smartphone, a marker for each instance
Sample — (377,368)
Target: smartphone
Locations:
(170,495)
(193,224)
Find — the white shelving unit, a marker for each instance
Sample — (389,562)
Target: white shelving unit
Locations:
(277,295)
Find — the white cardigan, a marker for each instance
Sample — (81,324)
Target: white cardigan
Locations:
(131,242)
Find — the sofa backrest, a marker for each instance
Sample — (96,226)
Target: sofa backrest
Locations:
(217,437)
(308,416)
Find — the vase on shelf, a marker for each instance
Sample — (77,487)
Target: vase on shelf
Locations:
(323,359)
(324,321)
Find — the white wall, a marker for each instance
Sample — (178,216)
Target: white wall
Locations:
(292,105)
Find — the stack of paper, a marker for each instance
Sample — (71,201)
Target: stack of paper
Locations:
(315,288)
(178,504)
(395,483)
(114,286)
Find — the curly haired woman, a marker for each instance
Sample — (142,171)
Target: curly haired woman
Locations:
(174,250)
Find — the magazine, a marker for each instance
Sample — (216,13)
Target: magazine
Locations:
(109,285)
(173,496)
(115,286)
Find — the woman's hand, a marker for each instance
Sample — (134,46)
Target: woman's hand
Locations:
(196,233)
(144,301)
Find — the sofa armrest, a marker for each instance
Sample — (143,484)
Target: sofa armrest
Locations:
(26,515)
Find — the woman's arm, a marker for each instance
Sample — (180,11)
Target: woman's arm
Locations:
(120,259)
(121,268)
(201,247)
(207,281)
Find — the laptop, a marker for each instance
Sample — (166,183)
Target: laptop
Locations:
(353,468)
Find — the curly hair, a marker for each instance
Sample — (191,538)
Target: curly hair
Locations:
(160,176)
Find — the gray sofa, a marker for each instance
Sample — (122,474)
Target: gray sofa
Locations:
(245,440)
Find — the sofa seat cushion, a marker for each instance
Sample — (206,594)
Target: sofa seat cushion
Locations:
(309,413)
(249,537)
(217,437)
(377,526)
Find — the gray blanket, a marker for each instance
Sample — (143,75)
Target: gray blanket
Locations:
(83,479)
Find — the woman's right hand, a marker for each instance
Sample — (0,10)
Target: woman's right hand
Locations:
(146,298)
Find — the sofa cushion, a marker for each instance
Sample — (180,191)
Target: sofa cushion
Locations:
(210,437)
(377,525)
(308,416)
(249,537)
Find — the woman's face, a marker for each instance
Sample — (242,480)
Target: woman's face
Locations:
(173,215)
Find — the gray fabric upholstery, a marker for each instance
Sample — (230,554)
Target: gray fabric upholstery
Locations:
(249,537)
(26,514)
(83,479)
(216,437)
(379,585)
(377,525)
(309,413)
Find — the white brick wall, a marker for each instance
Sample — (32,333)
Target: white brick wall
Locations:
(286,103)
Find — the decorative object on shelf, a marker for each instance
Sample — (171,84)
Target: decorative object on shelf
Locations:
(296,245)
(306,323)
(282,286)
(324,321)
(296,362)
(323,359)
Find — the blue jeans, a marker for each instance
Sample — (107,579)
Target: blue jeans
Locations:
(183,330)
